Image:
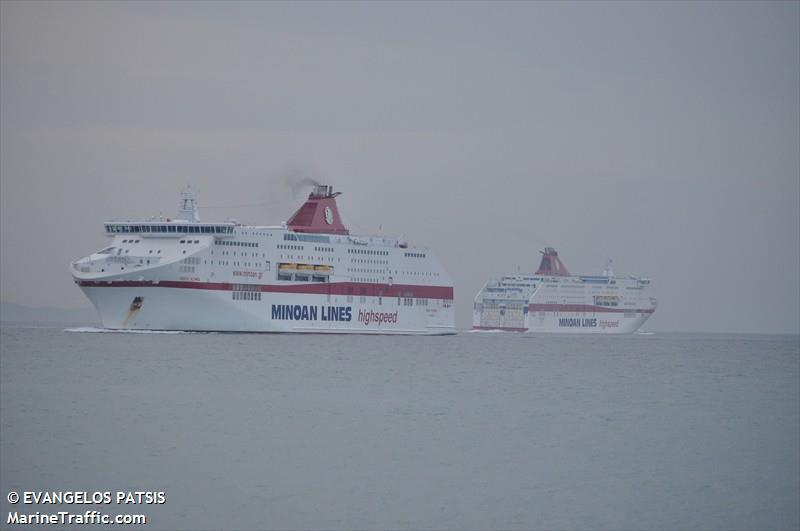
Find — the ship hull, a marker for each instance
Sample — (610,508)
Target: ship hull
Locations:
(308,275)
(167,308)
(558,303)
(575,323)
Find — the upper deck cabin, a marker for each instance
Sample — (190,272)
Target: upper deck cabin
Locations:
(313,236)
(316,221)
(168,227)
(187,222)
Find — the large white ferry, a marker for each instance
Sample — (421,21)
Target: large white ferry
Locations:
(552,300)
(306,275)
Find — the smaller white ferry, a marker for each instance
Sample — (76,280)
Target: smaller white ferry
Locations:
(552,300)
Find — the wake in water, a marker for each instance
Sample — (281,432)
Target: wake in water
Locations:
(93,330)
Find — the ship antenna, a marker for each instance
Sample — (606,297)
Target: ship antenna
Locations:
(189,209)
(609,271)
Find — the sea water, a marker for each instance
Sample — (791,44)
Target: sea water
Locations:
(478,431)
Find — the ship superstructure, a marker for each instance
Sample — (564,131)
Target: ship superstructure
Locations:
(306,275)
(553,300)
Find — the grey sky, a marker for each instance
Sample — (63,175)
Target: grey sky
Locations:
(662,135)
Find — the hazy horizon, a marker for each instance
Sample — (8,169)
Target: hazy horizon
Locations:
(664,136)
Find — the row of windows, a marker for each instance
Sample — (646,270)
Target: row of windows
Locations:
(607,303)
(227,253)
(414,255)
(204,229)
(245,287)
(302,277)
(606,300)
(183,241)
(246,295)
(131,241)
(291,247)
(359,270)
(265,265)
(235,244)
(307,238)
(324,249)
(368,251)
(238,264)
(410,301)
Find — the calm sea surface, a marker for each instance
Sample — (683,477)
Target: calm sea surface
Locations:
(478,430)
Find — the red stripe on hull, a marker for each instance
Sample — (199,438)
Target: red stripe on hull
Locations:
(583,308)
(503,328)
(354,289)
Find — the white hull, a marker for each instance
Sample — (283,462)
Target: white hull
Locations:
(572,323)
(164,308)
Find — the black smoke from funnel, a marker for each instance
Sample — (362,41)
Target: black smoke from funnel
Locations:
(297,180)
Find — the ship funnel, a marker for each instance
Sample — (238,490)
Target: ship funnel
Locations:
(319,213)
(551,264)
(321,191)
(189,209)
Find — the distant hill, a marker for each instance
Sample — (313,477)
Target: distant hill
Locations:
(11,314)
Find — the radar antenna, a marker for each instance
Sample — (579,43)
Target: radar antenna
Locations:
(189,209)
(609,270)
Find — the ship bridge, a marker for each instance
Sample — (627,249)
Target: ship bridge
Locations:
(169,227)
(187,222)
